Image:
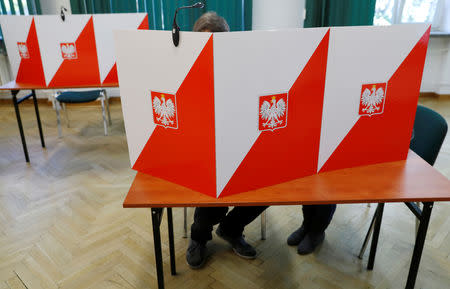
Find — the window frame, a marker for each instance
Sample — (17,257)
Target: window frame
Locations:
(398,10)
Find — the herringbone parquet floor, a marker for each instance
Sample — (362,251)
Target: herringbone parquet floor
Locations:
(62,224)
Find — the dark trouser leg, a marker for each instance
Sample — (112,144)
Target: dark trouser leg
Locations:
(316,218)
(204,220)
(235,221)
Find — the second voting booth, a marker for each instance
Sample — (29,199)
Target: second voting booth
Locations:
(77,51)
(225,113)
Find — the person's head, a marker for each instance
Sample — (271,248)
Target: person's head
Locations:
(211,22)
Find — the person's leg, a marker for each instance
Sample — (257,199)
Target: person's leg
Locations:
(309,212)
(232,226)
(318,219)
(298,235)
(204,220)
(235,221)
(322,217)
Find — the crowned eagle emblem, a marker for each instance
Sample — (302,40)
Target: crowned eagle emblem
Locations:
(68,50)
(272,113)
(372,99)
(23,50)
(164,110)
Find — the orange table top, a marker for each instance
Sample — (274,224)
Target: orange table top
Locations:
(19,86)
(412,180)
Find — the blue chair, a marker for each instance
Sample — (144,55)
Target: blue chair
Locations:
(428,134)
(62,98)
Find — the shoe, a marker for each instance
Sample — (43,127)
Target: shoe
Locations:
(240,247)
(296,237)
(310,242)
(196,254)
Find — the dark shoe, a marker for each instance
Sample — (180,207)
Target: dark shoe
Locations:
(296,237)
(240,247)
(310,242)
(196,254)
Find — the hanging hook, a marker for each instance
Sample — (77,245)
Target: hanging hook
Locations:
(63,16)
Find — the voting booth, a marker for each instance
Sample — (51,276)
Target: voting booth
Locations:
(48,51)
(225,113)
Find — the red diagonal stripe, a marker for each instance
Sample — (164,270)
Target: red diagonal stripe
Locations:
(385,137)
(290,152)
(84,69)
(30,69)
(186,155)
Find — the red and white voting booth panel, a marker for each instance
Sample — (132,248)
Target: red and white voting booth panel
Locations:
(225,113)
(49,52)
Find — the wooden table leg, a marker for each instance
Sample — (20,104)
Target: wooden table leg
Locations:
(156,222)
(376,234)
(418,247)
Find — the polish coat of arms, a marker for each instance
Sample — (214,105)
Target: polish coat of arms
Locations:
(164,109)
(23,50)
(372,99)
(69,50)
(273,111)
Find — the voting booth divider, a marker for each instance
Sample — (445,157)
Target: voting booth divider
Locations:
(225,113)
(47,51)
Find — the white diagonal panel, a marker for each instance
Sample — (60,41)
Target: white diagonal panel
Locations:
(15,29)
(248,65)
(146,61)
(104,24)
(359,55)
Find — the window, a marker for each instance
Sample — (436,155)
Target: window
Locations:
(389,12)
(19,7)
(418,11)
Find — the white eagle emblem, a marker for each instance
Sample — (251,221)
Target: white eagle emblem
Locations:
(68,50)
(272,114)
(165,110)
(23,50)
(372,101)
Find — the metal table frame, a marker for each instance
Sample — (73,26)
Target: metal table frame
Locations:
(157,214)
(423,216)
(16,103)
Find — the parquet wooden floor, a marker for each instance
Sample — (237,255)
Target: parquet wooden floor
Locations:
(62,224)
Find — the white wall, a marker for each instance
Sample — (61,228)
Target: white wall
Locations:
(270,14)
(54,6)
(436,74)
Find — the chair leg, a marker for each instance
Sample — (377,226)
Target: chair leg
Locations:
(263,225)
(185,222)
(58,117)
(107,107)
(66,114)
(105,125)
